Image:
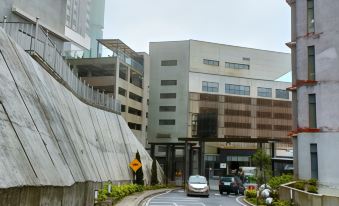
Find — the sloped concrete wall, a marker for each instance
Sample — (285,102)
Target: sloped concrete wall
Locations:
(50,138)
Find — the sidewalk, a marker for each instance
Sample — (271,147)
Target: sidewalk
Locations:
(137,198)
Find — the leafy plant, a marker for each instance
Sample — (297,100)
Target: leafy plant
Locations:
(263,162)
(312,189)
(312,181)
(281,203)
(275,182)
(251,194)
(300,185)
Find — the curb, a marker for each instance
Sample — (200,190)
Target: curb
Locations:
(144,201)
(139,198)
(248,203)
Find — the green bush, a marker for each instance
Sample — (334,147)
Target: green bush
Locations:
(275,182)
(281,203)
(119,192)
(300,185)
(251,194)
(253,200)
(313,182)
(312,189)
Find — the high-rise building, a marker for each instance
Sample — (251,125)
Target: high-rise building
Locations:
(315,74)
(203,89)
(72,24)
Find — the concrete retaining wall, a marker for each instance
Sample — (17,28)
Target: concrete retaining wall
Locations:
(305,198)
(50,138)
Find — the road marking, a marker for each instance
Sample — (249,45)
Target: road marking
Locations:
(238,201)
(149,200)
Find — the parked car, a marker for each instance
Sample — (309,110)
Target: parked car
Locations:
(231,184)
(197,185)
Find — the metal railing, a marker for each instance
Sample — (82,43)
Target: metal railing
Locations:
(79,54)
(35,40)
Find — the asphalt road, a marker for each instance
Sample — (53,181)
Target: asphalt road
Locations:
(179,198)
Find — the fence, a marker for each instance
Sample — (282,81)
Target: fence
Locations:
(35,40)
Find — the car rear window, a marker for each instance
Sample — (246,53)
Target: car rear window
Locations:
(227,179)
(197,180)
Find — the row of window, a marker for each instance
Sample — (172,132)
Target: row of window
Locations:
(260,114)
(259,126)
(229,65)
(131,110)
(244,90)
(134,126)
(238,125)
(236,66)
(209,62)
(131,95)
(245,100)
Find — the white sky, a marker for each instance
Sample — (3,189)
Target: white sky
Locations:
(261,24)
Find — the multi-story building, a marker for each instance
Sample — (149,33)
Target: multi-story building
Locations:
(72,24)
(123,74)
(315,75)
(202,89)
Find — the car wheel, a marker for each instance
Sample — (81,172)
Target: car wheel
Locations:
(228,193)
(220,192)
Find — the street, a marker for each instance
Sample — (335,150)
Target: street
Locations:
(179,198)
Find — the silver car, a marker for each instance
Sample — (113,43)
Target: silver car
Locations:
(197,185)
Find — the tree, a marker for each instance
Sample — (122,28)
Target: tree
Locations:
(154,177)
(139,173)
(262,161)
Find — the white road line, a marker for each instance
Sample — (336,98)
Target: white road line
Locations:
(149,200)
(238,201)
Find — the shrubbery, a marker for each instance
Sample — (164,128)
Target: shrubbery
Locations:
(251,194)
(275,182)
(119,192)
(281,203)
(312,189)
(300,185)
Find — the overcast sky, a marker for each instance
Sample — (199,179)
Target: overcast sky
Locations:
(261,24)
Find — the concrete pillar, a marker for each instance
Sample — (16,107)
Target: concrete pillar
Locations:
(201,158)
(173,161)
(190,168)
(186,163)
(152,151)
(116,86)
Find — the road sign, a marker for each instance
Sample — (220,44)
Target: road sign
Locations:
(135,165)
(223,165)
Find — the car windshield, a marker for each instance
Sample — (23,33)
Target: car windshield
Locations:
(197,180)
(227,179)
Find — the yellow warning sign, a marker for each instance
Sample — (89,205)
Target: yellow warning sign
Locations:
(135,165)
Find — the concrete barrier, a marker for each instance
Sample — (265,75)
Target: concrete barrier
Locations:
(299,197)
(53,145)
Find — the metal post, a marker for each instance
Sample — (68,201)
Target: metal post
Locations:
(36,33)
(4,22)
(45,46)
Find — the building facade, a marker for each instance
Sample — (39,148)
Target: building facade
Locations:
(123,74)
(72,24)
(315,74)
(202,89)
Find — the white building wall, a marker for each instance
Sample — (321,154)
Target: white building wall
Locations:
(169,51)
(268,65)
(326,43)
